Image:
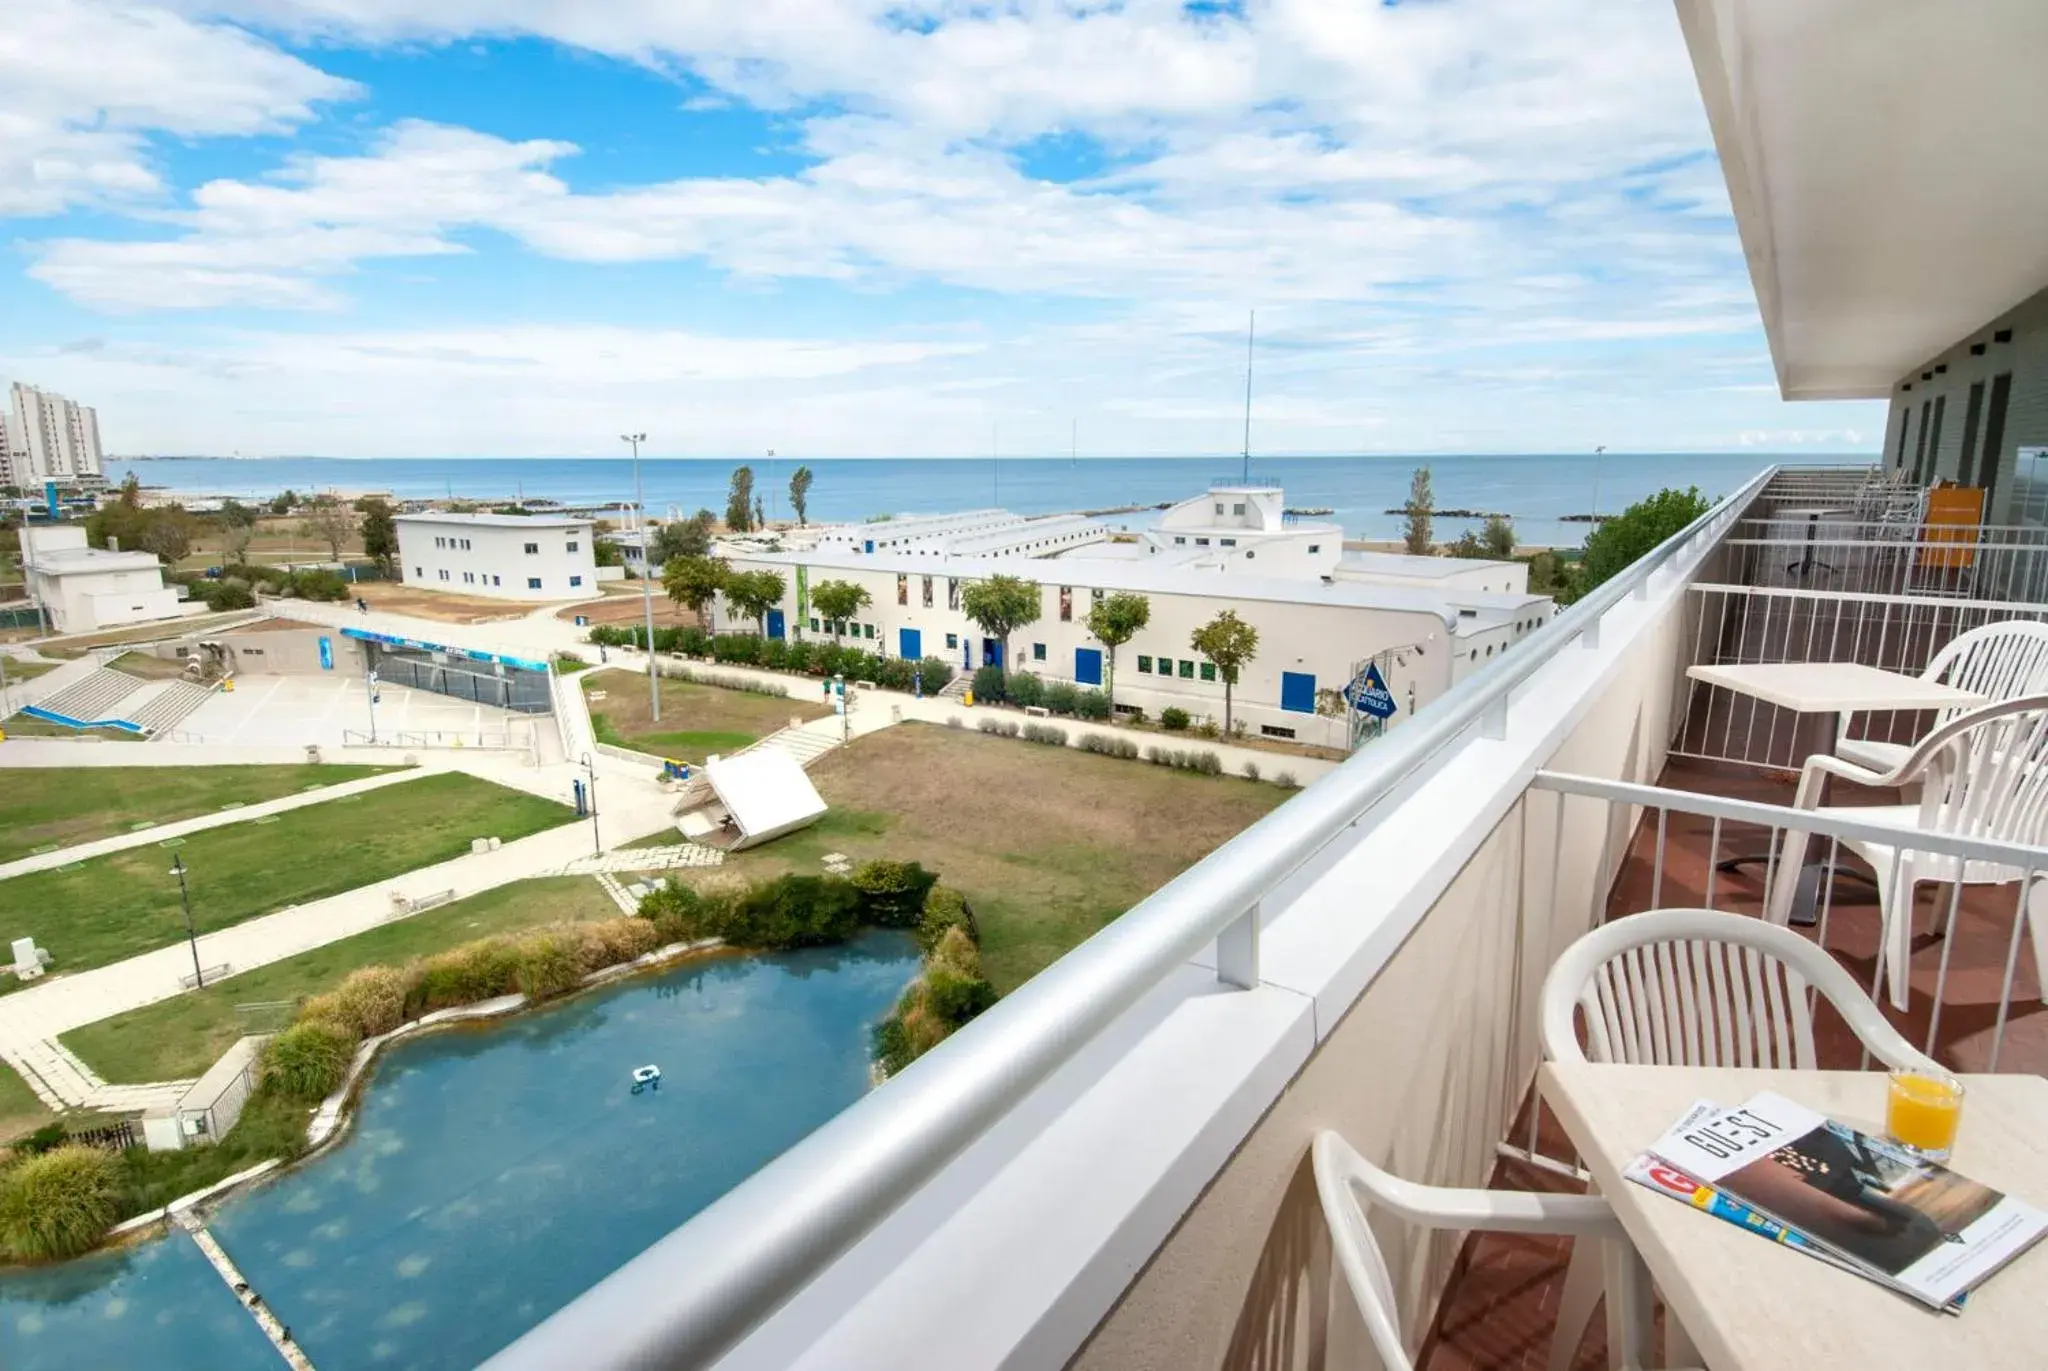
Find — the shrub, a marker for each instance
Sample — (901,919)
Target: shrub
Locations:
(775,654)
(694,642)
(1092,704)
(797,911)
(1108,746)
(1060,697)
(740,648)
(892,894)
(307,1061)
(611,942)
(952,721)
(1207,729)
(989,685)
(1024,690)
(548,964)
(1158,756)
(1045,733)
(991,726)
(955,998)
(1207,763)
(369,1002)
(944,909)
(317,585)
(937,674)
(474,971)
(1251,771)
(1285,780)
(895,673)
(60,1203)
(1172,719)
(50,1135)
(226,594)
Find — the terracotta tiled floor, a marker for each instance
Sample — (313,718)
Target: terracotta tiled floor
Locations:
(1498,1310)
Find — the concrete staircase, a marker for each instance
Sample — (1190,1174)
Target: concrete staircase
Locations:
(169,707)
(956,687)
(98,696)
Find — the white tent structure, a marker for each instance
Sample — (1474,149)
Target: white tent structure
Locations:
(766,793)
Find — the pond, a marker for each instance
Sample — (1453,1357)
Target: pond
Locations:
(492,1174)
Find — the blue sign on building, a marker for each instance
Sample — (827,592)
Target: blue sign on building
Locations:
(1368,693)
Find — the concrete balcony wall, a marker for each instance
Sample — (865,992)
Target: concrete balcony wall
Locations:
(1423,1071)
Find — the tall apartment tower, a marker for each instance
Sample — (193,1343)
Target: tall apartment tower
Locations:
(48,438)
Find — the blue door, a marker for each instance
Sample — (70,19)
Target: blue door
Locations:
(909,644)
(870,544)
(776,627)
(1298,692)
(1088,666)
(991,652)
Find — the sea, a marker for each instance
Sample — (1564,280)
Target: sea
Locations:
(1535,491)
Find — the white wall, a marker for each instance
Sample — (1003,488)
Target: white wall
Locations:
(491,560)
(1321,641)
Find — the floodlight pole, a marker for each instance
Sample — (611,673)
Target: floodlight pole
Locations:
(191,935)
(646,571)
(590,768)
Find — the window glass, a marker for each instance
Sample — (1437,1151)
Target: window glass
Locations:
(1187,668)
(952,640)
(1208,671)
(575,580)
(533,583)
(533,547)
(574,546)
(1038,652)
(1145,664)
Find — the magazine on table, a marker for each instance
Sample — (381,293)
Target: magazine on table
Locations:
(1653,1174)
(1874,1208)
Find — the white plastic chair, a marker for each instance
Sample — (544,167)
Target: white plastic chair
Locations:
(1982,775)
(1696,987)
(1346,1183)
(2001,661)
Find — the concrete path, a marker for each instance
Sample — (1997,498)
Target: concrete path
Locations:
(178,828)
(31,1019)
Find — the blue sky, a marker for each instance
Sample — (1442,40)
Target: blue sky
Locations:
(877,227)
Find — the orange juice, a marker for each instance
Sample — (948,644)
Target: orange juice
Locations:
(1922,1111)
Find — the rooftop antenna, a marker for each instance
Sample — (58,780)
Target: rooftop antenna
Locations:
(1250,328)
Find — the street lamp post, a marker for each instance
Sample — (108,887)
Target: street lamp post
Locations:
(646,571)
(590,769)
(370,682)
(1597,453)
(191,934)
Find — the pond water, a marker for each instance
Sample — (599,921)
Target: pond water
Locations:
(492,1175)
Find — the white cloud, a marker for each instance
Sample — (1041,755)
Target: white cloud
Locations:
(82,84)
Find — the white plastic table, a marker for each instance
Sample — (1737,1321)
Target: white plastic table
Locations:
(1820,693)
(1749,1304)
(1813,515)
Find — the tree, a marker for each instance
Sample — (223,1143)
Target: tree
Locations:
(1114,621)
(235,514)
(753,594)
(693,581)
(333,523)
(1619,541)
(1499,537)
(838,601)
(234,543)
(689,537)
(166,532)
(739,501)
(1000,606)
(800,493)
(1229,642)
(760,514)
(605,552)
(1421,504)
(380,534)
(285,503)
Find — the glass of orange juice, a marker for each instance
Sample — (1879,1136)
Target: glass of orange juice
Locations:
(1921,1112)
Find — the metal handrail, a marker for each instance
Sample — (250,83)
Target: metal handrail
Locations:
(694,1294)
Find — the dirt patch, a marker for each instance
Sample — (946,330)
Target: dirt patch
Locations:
(439,605)
(1049,844)
(626,608)
(153,668)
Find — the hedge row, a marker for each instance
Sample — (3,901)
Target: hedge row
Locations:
(949,992)
(992,685)
(805,658)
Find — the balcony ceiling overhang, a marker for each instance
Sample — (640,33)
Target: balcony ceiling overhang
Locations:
(1888,164)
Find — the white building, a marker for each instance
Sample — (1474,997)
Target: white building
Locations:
(48,438)
(503,556)
(88,588)
(1313,635)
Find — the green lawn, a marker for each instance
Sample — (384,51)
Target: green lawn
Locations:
(697,721)
(1049,844)
(20,1111)
(103,910)
(177,1038)
(18,670)
(40,807)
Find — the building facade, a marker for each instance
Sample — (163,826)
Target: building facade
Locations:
(499,556)
(49,438)
(1313,637)
(85,589)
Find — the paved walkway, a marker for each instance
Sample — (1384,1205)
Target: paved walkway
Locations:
(31,1020)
